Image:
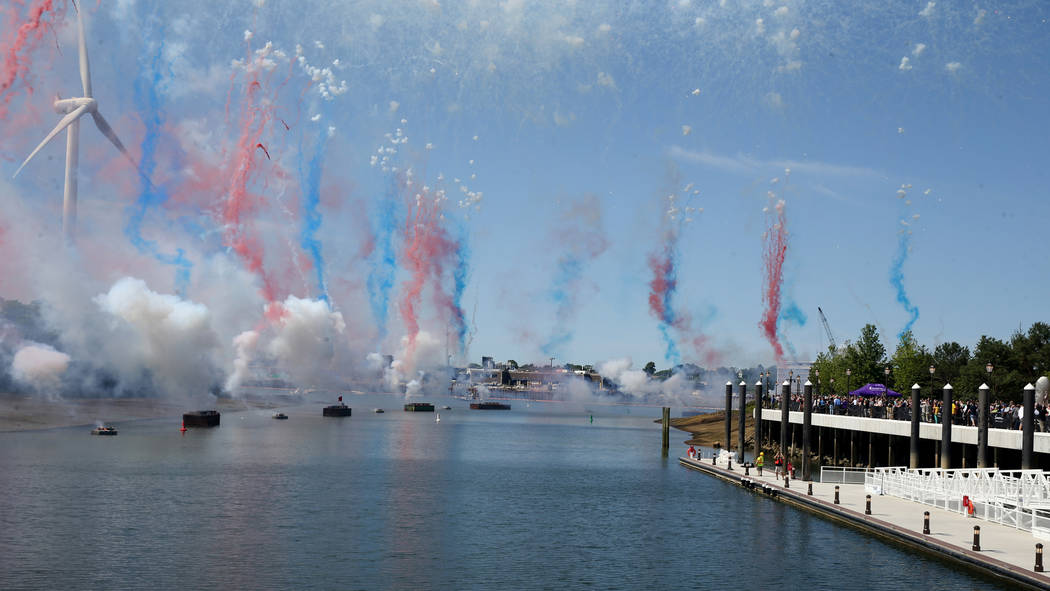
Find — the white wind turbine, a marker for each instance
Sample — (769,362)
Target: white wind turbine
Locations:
(74,108)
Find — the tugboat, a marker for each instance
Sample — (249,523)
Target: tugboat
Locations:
(419,407)
(280,416)
(337,410)
(104,430)
(378,411)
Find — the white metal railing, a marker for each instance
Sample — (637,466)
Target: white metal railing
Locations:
(837,475)
(1016,498)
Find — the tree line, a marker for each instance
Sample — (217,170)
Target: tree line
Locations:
(1006,366)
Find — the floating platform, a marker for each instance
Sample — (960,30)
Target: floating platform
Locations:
(489,406)
(336,410)
(201,418)
(419,407)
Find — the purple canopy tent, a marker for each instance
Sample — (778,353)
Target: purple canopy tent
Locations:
(874,390)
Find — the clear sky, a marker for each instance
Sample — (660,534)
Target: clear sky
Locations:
(578,145)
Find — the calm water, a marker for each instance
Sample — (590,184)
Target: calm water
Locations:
(525,499)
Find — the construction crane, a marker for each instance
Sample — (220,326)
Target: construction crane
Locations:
(827,329)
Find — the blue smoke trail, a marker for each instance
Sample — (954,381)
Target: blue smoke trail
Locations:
(383,267)
(310,181)
(460,276)
(151,78)
(790,312)
(563,294)
(897,280)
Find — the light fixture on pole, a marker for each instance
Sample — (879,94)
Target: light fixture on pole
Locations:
(849,372)
(932,371)
(988,368)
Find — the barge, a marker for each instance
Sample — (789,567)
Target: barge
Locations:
(201,418)
(336,410)
(489,406)
(419,407)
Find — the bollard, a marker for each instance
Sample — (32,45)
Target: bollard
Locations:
(809,491)
(1038,558)
(867,504)
(729,465)
(787,484)
(976,538)
(926,522)
(836,494)
(714,458)
(747,469)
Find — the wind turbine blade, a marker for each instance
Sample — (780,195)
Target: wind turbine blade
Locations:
(107,131)
(85,69)
(62,124)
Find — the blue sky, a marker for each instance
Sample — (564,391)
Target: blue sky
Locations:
(587,103)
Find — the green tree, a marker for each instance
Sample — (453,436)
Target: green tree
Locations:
(650,368)
(866,358)
(949,359)
(909,365)
(512,364)
(994,351)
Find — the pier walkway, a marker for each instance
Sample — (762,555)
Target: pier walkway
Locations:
(1006,553)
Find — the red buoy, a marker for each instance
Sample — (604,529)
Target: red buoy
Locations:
(183,429)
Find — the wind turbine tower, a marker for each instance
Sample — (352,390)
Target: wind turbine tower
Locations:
(74,109)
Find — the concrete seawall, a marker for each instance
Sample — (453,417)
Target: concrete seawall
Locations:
(894,521)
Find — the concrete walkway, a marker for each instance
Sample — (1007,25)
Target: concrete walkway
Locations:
(1006,552)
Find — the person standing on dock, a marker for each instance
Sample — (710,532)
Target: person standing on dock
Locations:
(778,463)
(760,461)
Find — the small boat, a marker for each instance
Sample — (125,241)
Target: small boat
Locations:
(280,415)
(104,430)
(438,418)
(419,407)
(446,407)
(378,411)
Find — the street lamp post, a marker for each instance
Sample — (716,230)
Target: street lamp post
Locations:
(849,372)
(988,368)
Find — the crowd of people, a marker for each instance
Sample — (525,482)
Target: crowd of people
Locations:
(1001,415)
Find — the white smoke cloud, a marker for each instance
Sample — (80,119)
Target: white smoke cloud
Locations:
(170,336)
(40,366)
(306,337)
(244,345)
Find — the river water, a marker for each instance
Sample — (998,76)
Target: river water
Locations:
(538,497)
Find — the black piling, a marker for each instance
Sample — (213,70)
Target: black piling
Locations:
(946,428)
(982,426)
(867,504)
(742,407)
(807,423)
(836,494)
(727,443)
(926,522)
(976,538)
(758,417)
(785,399)
(913,459)
(667,429)
(1039,558)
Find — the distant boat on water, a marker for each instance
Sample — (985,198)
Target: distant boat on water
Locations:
(104,430)
(438,418)
(280,416)
(378,411)
(489,406)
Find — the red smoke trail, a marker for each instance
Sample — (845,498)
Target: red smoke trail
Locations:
(428,252)
(18,43)
(257,106)
(773,258)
